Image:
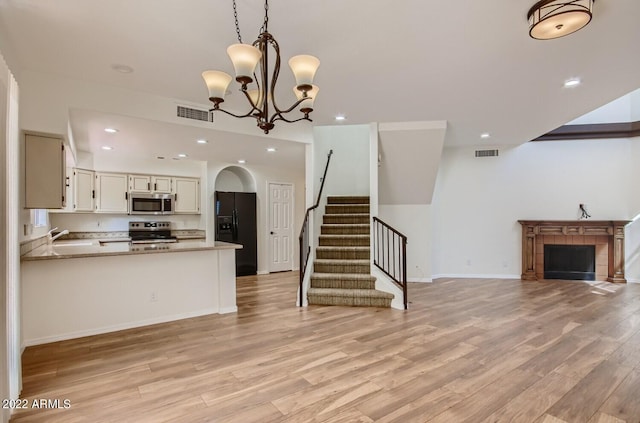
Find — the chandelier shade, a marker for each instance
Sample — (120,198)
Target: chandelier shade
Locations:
(258,76)
(245,58)
(306,103)
(549,19)
(304,68)
(217,83)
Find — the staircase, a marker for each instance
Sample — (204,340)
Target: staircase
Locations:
(342,270)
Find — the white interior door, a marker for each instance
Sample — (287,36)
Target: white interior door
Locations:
(280,227)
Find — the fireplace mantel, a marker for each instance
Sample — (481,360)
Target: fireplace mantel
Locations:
(612,229)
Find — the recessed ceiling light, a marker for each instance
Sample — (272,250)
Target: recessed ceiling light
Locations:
(341,117)
(485,135)
(202,141)
(106,147)
(242,161)
(110,130)
(182,155)
(271,150)
(122,68)
(573,82)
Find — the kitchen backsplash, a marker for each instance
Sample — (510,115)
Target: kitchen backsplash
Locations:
(97,222)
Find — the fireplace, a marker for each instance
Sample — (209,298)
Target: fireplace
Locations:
(572,262)
(606,235)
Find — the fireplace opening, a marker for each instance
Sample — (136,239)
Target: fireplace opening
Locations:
(572,262)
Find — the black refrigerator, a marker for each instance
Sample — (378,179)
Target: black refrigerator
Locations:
(236,222)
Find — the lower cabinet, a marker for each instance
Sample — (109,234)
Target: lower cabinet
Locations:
(111,193)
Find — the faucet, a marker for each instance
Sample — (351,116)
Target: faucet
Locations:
(50,238)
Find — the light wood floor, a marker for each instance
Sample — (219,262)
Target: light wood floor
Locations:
(465,351)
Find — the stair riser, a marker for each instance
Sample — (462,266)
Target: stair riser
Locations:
(349,301)
(342,255)
(342,284)
(341,268)
(344,241)
(338,219)
(344,230)
(341,209)
(347,200)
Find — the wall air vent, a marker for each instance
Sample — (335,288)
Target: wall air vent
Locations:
(189,113)
(486,153)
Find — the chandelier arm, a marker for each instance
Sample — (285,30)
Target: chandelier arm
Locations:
(231,114)
(296,104)
(278,116)
(246,94)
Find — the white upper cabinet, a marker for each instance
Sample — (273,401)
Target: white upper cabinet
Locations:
(140,183)
(162,184)
(44,181)
(112,194)
(84,194)
(187,191)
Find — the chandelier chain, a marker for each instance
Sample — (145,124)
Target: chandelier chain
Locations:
(235,16)
(266,17)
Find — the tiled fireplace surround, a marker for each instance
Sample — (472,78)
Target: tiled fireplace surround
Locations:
(607,236)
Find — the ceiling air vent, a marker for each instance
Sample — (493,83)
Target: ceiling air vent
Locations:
(486,153)
(189,113)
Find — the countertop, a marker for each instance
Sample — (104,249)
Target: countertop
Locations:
(94,248)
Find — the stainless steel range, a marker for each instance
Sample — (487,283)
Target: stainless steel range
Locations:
(150,232)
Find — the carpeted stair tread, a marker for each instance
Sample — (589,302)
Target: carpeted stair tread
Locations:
(343,280)
(349,297)
(347,199)
(346,218)
(346,208)
(349,252)
(344,240)
(342,266)
(345,228)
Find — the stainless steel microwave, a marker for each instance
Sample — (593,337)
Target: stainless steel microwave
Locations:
(141,203)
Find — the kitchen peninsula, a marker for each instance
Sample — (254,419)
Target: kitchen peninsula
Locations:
(80,288)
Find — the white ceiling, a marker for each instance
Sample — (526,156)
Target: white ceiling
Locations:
(469,62)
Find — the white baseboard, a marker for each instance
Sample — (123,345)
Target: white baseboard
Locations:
(227,310)
(474,276)
(262,272)
(115,328)
(420,280)
(631,280)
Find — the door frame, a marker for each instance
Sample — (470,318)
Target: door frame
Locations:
(268,225)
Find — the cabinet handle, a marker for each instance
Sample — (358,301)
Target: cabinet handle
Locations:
(126,195)
(175,197)
(155,187)
(148,186)
(93,193)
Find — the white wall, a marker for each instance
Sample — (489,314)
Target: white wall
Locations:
(4,345)
(478,201)
(349,169)
(415,222)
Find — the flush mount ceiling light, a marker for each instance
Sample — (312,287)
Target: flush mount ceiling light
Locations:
(202,141)
(485,135)
(573,82)
(271,150)
(110,130)
(107,148)
(182,155)
(340,117)
(242,161)
(549,19)
(246,59)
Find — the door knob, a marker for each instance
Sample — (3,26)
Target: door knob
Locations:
(271,232)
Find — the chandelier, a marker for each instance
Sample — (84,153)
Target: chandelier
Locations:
(246,58)
(550,19)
